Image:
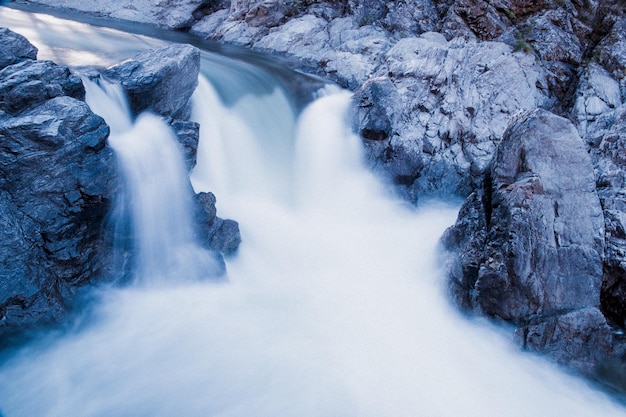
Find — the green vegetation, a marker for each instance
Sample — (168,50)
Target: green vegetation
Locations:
(522,45)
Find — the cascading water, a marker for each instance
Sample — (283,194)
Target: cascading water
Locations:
(158,196)
(334,305)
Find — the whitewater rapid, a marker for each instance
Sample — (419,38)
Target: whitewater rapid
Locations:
(334,305)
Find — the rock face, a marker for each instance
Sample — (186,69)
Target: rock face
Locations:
(457,99)
(58,177)
(529,244)
(57,182)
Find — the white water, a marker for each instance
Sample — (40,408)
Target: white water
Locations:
(334,305)
(157,195)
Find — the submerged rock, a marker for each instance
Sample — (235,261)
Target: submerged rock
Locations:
(528,246)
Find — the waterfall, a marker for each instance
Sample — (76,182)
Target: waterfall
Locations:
(157,194)
(334,305)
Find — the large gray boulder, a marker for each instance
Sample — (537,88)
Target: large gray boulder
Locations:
(528,246)
(161,80)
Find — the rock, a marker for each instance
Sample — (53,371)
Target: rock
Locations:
(580,339)
(528,247)
(611,53)
(597,93)
(57,182)
(188,134)
(217,234)
(481,18)
(551,35)
(410,17)
(606,138)
(170,14)
(29,83)
(266,14)
(444,108)
(347,52)
(161,80)
(14,48)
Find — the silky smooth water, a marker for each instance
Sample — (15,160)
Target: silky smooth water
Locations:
(334,304)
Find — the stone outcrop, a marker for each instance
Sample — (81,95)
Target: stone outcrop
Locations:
(529,244)
(14,48)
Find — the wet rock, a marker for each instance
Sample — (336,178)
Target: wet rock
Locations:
(14,48)
(161,80)
(188,134)
(528,246)
(220,235)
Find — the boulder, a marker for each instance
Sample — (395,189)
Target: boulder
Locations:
(14,48)
(57,183)
(528,246)
(161,80)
